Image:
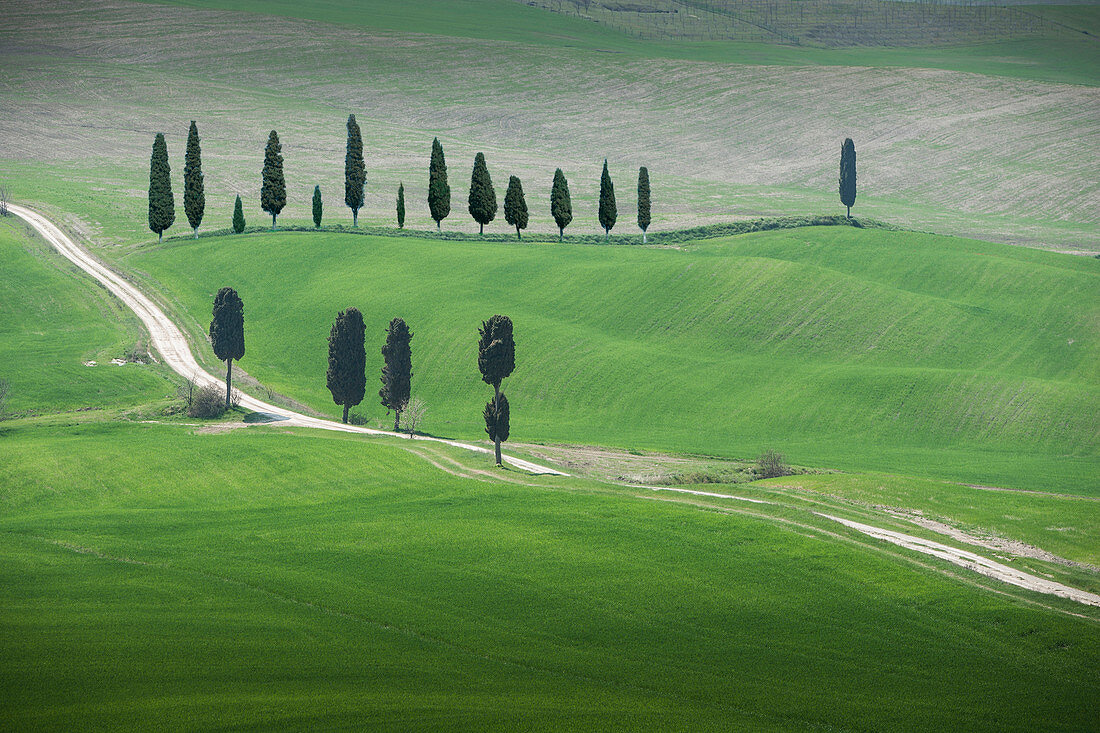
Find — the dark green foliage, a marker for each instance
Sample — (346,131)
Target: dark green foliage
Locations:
(848,174)
(439,191)
(515,206)
(273,190)
(561,207)
(497,414)
(496,350)
(318,207)
(608,212)
(162,206)
(355,170)
(194,197)
(401,206)
(496,358)
(238,216)
(483,199)
(347,360)
(643,200)
(227,332)
(397,370)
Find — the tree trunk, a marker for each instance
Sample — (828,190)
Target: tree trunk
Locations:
(437,227)
(196,231)
(496,408)
(160,236)
(482,230)
(355,217)
(396,420)
(273,222)
(228,380)
(345,414)
(643,237)
(561,234)
(518,235)
(849,215)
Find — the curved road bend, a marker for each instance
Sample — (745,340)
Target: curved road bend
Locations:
(176,352)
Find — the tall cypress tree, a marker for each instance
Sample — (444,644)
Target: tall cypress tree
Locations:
(608,213)
(355,171)
(439,192)
(483,199)
(848,174)
(162,205)
(318,207)
(561,207)
(238,216)
(227,332)
(643,201)
(347,360)
(273,190)
(496,359)
(194,197)
(397,369)
(400,205)
(515,206)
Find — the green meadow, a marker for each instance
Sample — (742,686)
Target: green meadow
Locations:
(158,578)
(843,348)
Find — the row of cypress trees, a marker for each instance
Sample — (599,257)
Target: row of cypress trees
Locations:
(482,203)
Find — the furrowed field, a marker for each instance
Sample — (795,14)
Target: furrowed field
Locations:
(921,372)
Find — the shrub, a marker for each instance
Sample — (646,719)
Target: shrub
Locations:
(770,464)
(413,415)
(207,402)
(5,389)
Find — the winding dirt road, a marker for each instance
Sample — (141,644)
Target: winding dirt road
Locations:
(172,345)
(176,352)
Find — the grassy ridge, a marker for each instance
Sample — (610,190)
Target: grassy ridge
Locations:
(52,321)
(157,578)
(850,348)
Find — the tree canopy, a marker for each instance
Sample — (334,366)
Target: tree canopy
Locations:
(273,190)
(227,333)
(643,200)
(162,205)
(355,171)
(848,174)
(396,369)
(347,360)
(439,191)
(608,212)
(515,206)
(194,196)
(483,198)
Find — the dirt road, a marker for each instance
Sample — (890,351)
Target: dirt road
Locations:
(174,349)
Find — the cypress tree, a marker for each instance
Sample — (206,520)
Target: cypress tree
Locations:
(496,359)
(347,360)
(608,212)
(273,190)
(162,206)
(400,205)
(355,171)
(227,332)
(238,216)
(439,192)
(496,414)
(483,199)
(643,201)
(194,198)
(397,370)
(318,207)
(848,174)
(561,207)
(515,206)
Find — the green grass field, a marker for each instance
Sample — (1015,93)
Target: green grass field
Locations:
(156,578)
(843,348)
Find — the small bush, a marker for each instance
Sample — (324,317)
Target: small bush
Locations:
(356,418)
(207,402)
(413,415)
(770,464)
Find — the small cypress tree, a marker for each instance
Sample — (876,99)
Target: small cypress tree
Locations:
(227,333)
(194,197)
(848,174)
(483,199)
(318,207)
(400,205)
(273,190)
(355,171)
(643,201)
(496,359)
(497,417)
(397,370)
(162,205)
(439,192)
(561,207)
(238,216)
(347,360)
(608,212)
(515,206)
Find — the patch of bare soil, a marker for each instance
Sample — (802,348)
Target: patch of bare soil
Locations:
(636,467)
